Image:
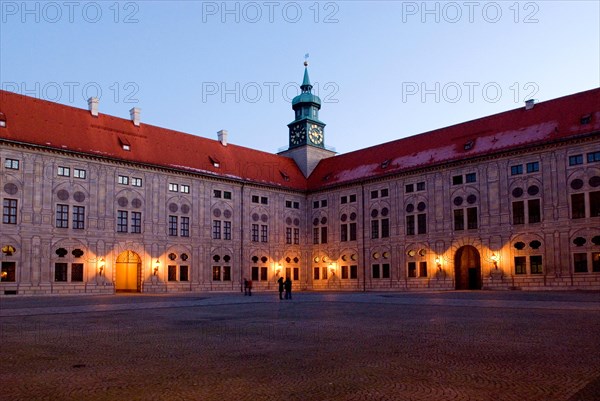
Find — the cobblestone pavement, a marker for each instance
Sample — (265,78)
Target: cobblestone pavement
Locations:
(488,346)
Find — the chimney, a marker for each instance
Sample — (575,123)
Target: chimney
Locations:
(135,115)
(222,135)
(93,106)
(529,104)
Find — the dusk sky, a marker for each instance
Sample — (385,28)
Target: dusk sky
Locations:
(384,70)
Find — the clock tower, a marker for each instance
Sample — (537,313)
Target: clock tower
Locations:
(307,132)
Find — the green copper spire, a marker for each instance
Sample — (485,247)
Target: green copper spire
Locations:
(306,97)
(306,86)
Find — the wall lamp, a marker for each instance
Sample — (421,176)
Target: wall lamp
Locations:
(438,263)
(156,265)
(101,264)
(494,260)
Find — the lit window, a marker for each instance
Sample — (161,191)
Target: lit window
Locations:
(64,171)
(185,189)
(173,187)
(575,160)
(123,180)
(11,164)
(79,173)
(136,182)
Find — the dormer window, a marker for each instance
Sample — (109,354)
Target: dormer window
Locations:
(469,145)
(214,162)
(284,175)
(125,145)
(585,119)
(2,120)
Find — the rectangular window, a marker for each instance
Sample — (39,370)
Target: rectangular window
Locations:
(385,228)
(352,231)
(79,173)
(374,229)
(255,232)
(255,273)
(64,171)
(185,189)
(422,269)
(136,182)
(316,235)
(354,272)
(471,177)
(575,160)
(216,273)
(596,262)
(11,164)
(412,269)
(344,232)
(533,167)
(352,198)
(535,264)
(255,199)
(457,180)
(76,272)
(421,186)
(316,273)
(296,205)
(375,269)
(8,272)
(518,212)
(217,193)
(216,229)
(324,203)
(172,273)
(459,220)
(122,221)
(173,223)
(62,216)
(422,223)
(288,204)
(578,206)
(264,233)
(520,265)
(136,222)
(173,187)
(185,227)
(472,218)
(344,272)
(344,200)
(296,236)
(516,170)
(324,275)
(385,270)
(315,204)
(227,230)
(60,272)
(533,206)
(123,180)
(226,273)
(409,188)
(580,262)
(288,235)
(374,194)
(593,157)
(264,200)
(323,235)
(78,217)
(263,273)
(385,192)
(184,273)
(9,212)
(594,204)
(227,195)
(410,225)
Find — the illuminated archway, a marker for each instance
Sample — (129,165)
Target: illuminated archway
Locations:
(467,268)
(128,272)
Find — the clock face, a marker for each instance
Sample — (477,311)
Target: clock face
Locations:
(315,134)
(297,135)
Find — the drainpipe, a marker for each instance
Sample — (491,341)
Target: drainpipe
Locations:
(362,188)
(242,240)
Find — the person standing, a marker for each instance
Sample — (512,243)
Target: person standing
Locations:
(288,288)
(245,286)
(280,282)
(250,288)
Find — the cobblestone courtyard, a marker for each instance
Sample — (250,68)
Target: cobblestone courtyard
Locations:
(484,346)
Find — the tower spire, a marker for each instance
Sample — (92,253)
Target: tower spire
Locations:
(306,86)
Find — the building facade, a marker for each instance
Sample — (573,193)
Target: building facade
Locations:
(97,204)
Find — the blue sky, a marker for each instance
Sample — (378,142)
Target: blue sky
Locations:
(384,70)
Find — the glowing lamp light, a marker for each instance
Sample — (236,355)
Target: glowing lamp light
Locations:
(156,265)
(438,262)
(494,260)
(101,264)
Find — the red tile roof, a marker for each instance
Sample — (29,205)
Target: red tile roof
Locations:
(66,128)
(549,121)
(56,126)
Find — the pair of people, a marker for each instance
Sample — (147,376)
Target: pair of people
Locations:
(287,285)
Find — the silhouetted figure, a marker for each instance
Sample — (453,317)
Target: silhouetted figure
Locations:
(245,286)
(280,282)
(288,288)
(250,288)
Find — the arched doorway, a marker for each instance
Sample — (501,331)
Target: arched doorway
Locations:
(467,268)
(129,272)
